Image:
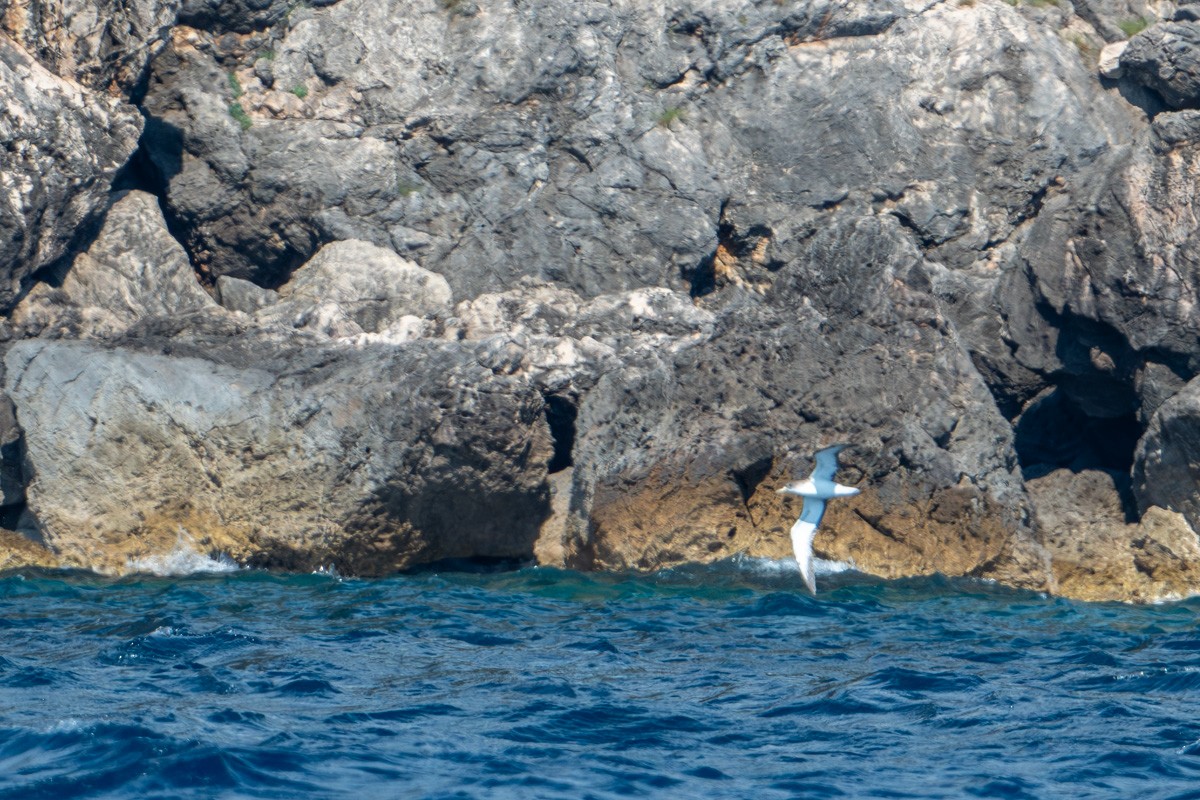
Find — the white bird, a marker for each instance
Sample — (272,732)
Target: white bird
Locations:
(815,489)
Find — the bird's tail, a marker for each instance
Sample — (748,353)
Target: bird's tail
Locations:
(809,573)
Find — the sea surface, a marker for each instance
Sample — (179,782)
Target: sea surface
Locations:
(726,681)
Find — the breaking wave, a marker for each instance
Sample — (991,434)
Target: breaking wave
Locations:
(182,560)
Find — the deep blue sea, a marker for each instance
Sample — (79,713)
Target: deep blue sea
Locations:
(726,681)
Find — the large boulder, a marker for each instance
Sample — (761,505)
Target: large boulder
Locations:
(1166,58)
(368,288)
(366,459)
(133,270)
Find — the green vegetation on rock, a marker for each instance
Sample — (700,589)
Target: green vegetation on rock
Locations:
(1132,27)
(238,113)
(670,115)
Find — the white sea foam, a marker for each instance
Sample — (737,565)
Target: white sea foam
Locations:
(182,560)
(771,567)
(66,725)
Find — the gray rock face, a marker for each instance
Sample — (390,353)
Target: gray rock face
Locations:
(1165,473)
(368,286)
(66,146)
(1166,58)
(1111,267)
(102,45)
(689,244)
(133,270)
(366,459)
(606,148)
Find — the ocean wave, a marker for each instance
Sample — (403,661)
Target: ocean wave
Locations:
(775,567)
(563,684)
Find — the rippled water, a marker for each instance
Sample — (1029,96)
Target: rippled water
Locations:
(717,682)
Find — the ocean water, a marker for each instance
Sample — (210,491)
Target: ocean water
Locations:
(726,681)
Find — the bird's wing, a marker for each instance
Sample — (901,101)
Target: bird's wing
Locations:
(814,509)
(827,462)
(802,538)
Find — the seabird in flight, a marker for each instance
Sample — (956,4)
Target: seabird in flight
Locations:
(815,489)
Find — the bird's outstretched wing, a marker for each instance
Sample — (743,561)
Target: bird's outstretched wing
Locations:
(802,538)
(827,462)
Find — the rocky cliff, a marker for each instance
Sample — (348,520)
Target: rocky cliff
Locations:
(370,283)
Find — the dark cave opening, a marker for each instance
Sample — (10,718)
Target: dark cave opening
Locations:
(749,477)
(1054,433)
(472,565)
(560,416)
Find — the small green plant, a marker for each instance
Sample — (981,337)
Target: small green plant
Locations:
(238,113)
(406,187)
(235,85)
(1088,51)
(672,114)
(300,90)
(1132,27)
(455,7)
(268,54)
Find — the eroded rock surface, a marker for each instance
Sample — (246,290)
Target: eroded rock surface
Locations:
(1166,58)
(585,282)
(365,459)
(133,270)
(65,146)
(357,287)
(102,45)
(1099,554)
